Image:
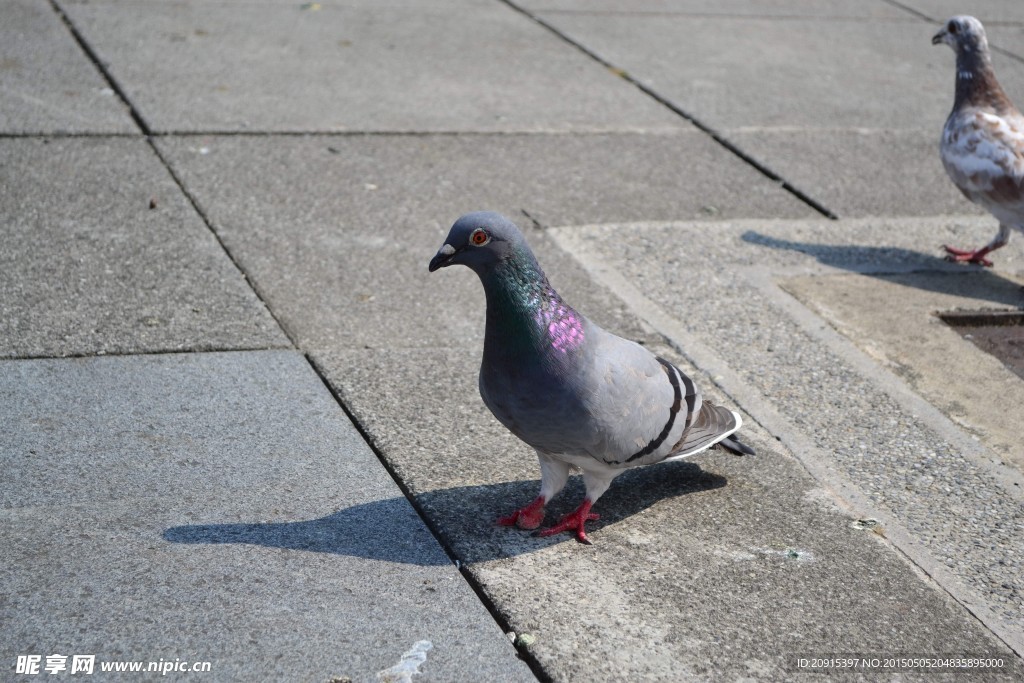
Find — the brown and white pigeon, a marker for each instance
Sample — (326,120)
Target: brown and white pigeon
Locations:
(580,396)
(982,144)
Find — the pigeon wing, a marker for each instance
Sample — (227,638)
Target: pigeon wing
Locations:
(648,410)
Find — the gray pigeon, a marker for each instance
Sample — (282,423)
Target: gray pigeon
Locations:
(580,396)
(982,144)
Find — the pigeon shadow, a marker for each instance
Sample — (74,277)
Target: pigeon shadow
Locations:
(905,266)
(387,530)
(464,517)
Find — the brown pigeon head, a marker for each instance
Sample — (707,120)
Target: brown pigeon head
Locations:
(964,34)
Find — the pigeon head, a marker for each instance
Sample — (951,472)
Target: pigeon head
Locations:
(962,33)
(481,241)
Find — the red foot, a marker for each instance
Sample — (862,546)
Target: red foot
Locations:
(574,521)
(967,256)
(528,517)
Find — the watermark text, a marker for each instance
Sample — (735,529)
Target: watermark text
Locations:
(33,665)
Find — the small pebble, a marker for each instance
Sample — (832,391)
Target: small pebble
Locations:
(525,639)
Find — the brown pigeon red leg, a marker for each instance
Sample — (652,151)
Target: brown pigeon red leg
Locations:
(978,255)
(967,255)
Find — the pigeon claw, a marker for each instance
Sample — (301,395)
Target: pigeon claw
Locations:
(574,521)
(967,256)
(528,517)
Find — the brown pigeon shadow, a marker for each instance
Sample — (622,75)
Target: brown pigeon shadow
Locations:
(895,263)
(463,518)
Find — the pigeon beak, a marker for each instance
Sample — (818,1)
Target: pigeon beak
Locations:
(442,258)
(939,37)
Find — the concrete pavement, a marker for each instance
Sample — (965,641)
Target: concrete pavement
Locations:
(242,423)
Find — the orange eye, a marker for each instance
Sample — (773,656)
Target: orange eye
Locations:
(479,237)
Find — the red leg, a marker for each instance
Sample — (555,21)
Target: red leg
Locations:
(968,256)
(574,521)
(528,517)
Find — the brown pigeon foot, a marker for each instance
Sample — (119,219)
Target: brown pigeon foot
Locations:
(573,521)
(968,256)
(528,517)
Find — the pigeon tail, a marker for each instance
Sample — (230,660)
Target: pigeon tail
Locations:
(732,443)
(710,426)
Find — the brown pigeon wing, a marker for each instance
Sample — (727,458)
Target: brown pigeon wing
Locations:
(984,156)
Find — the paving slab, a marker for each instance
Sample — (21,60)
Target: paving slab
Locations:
(47,83)
(717,567)
(460,65)
(986,10)
(739,72)
(801,95)
(833,9)
(336,231)
(88,267)
(956,503)
(859,141)
(864,172)
(894,319)
(218,508)
(1008,38)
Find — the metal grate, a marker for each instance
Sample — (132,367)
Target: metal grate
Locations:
(999,333)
